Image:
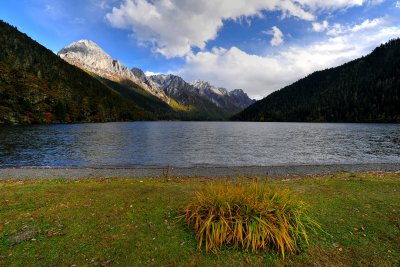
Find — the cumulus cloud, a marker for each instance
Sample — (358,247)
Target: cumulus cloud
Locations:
(261,75)
(173,27)
(277,36)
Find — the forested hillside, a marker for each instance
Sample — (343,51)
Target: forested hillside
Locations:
(36,86)
(363,90)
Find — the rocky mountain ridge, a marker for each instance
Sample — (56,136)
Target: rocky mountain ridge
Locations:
(221,96)
(171,84)
(88,55)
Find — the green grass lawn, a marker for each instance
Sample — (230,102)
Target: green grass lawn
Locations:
(132,222)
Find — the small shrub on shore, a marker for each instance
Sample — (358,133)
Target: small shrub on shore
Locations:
(250,217)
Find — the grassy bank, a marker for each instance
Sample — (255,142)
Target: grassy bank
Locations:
(131,222)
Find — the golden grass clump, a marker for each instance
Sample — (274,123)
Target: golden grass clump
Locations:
(248,216)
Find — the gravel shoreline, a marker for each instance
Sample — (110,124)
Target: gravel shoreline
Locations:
(204,171)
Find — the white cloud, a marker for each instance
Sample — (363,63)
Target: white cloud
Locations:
(173,27)
(277,36)
(320,27)
(150,73)
(397,4)
(338,29)
(366,24)
(335,29)
(336,4)
(261,75)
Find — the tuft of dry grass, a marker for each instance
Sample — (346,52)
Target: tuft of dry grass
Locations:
(248,216)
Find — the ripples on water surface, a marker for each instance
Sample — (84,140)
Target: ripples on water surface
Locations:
(197,143)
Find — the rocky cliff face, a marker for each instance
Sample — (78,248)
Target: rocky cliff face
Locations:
(205,88)
(88,55)
(184,93)
(172,85)
(240,98)
(221,97)
(139,74)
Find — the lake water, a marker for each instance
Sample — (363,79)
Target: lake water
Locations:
(185,144)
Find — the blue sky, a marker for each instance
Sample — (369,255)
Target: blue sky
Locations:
(258,45)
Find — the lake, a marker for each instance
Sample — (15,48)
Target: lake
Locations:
(187,144)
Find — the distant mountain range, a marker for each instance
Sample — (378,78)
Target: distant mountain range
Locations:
(363,90)
(191,94)
(37,86)
(197,98)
